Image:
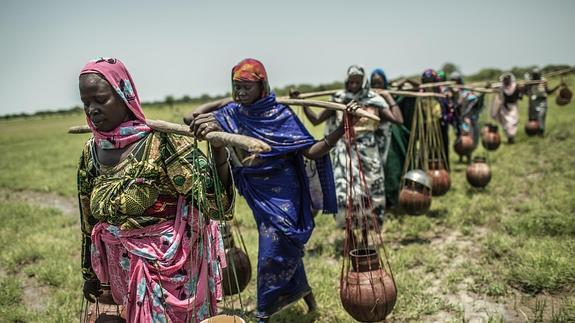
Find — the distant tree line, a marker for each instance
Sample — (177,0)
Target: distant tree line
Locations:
(486,74)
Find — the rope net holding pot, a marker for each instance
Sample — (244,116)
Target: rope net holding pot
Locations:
(237,273)
(425,168)
(367,286)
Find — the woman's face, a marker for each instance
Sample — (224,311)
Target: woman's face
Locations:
(102,105)
(247,92)
(507,80)
(354,83)
(377,82)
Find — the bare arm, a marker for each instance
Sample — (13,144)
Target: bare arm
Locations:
(205,108)
(314,118)
(322,147)
(220,157)
(394,113)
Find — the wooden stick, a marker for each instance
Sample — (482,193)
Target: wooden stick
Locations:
(327,105)
(559,72)
(311,103)
(250,144)
(522,83)
(396,92)
(436,84)
(532,82)
(410,93)
(313,94)
(474,89)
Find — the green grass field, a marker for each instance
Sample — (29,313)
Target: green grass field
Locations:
(506,253)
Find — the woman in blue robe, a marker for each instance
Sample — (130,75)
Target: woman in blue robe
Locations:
(275,184)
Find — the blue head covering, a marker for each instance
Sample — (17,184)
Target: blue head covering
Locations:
(381,73)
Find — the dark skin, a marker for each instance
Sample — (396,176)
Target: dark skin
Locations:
(106,110)
(354,85)
(377,82)
(247,93)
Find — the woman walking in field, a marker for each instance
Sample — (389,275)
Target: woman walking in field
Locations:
(145,202)
(467,106)
(392,150)
(505,108)
(274,184)
(372,140)
(537,94)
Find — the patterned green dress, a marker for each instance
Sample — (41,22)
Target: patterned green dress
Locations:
(144,191)
(372,142)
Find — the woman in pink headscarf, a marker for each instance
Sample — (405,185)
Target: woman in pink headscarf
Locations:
(146,202)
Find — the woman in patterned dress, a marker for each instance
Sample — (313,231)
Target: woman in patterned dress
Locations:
(146,199)
(371,136)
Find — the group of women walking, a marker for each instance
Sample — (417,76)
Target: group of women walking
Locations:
(151,202)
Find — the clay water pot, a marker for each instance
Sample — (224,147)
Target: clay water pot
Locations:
(564,97)
(491,138)
(532,127)
(415,195)
(439,177)
(237,259)
(464,144)
(478,173)
(367,292)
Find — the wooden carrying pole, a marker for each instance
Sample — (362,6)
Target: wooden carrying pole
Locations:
(311,103)
(436,84)
(313,94)
(532,82)
(250,144)
(474,89)
(379,91)
(559,72)
(520,83)
(327,105)
(410,93)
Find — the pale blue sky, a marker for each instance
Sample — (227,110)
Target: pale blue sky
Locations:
(189,47)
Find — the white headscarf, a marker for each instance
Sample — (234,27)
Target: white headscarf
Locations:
(364,96)
(508,89)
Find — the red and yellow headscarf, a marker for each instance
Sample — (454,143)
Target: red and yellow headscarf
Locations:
(251,70)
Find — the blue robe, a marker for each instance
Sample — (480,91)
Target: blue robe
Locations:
(279,195)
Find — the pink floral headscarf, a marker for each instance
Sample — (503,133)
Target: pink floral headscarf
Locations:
(115,72)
